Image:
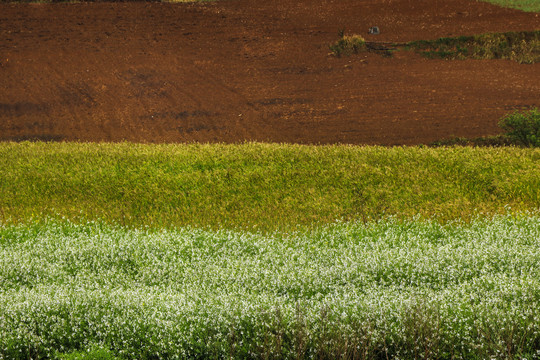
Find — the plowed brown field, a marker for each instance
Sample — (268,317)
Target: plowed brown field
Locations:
(239,70)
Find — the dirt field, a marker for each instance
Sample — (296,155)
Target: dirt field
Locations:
(237,70)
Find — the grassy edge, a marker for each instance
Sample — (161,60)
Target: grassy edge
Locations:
(523,5)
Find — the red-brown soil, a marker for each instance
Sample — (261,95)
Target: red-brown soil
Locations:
(240,70)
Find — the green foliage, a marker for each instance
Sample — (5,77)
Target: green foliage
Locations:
(523,127)
(259,186)
(386,289)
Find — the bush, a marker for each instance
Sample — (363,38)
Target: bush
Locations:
(348,45)
(523,128)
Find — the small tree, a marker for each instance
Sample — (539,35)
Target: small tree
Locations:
(523,127)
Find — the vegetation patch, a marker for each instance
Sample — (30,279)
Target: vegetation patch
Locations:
(388,289)
(353,44)
(348,44)
(523,47)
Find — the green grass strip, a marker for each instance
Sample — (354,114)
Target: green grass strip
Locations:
(525,5)
(260,186)
(390,289)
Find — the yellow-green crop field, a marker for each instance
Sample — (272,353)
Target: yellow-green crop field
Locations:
(261,186)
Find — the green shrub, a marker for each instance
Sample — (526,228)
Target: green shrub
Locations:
(523,127)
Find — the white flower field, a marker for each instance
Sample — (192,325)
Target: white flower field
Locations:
(397,289)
